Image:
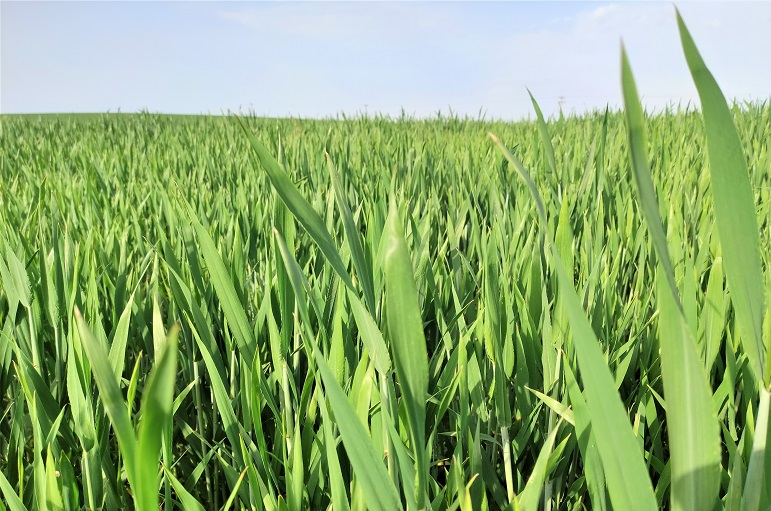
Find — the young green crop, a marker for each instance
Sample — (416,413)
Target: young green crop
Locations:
(388,313)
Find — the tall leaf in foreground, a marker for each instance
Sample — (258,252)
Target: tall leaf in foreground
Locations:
(628,485)
(692,427)
(13,500)
(409,344)
(737,227)
(157,399)
(693,430)
(111,396)
(737,223)
(587,443)
(140,455)
(756,489)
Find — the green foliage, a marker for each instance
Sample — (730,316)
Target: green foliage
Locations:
(572,318)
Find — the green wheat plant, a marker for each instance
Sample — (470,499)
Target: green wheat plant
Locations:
(452,314)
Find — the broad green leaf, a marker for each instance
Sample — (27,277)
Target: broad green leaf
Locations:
(560,409)
(53,486)
(693,431)
(16,281)
(543,131)
(159,331)
(234,492)
(12,500)
(587,444)
(370,335)
(758,479)
(117,354)
(713,312)
(638,149)
(405,327)
(157,399)
(337,342)
(735,217)
(189,503)
(733,498)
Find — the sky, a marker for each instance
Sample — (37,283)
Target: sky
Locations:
(324,59)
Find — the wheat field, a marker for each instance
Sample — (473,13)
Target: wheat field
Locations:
(388,313)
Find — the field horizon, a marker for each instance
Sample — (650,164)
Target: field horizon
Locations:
(449,114)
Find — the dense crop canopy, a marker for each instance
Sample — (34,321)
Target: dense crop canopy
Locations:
(219,313)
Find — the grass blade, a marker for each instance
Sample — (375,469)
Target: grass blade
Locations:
(11,499)
(367,464)
(407,340)
(112,398)
(638,148)
(628,482)
(531,495)
(223,285)
(371,336)
(189,503)
(693,430)
(54,500)
(117,354)
(543,131)
(758,480)
(587,444)
(339,496)
(157,399)
(300,208)
(353,237)
(737,223)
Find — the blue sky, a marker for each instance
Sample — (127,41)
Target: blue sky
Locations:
(318,59)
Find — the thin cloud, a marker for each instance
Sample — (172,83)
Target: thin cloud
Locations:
(603,12)
(577,66)
(340,21)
